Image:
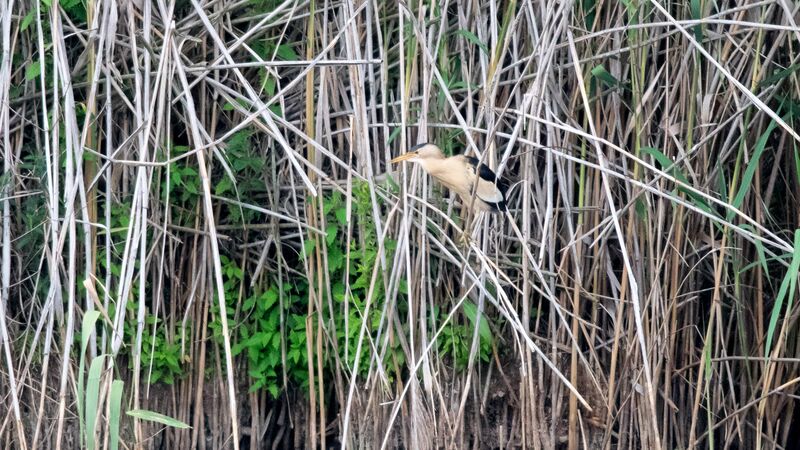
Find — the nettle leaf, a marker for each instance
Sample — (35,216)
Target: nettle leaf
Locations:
(471,312)
(175,177)
(239,164)
(33,70)
(264,338)
(287,53)
(338,292)
(240,141)
(27,21)
(331,231)
(272,321)
(191,188)
(328,204)
(277,110)
(270,297)
(308,246)
(225,185)
(276,344)
(267,82)
(249,303)
(403,287)
(341,215)
(190,172)
(335,258)
(238,272)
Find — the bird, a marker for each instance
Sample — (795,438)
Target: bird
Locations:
(459,173)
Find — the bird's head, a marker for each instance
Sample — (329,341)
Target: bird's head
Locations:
(419,153)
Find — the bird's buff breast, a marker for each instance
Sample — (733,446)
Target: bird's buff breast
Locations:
(453,177)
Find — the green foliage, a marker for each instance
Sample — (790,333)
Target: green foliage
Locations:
(32,215)
(697,14)
(259,6)
(450,69)
(261,338)
(778,76)
(248,166)
(152,416)
(785,293)
(600,73)
(160,354)
(232,277)
(161,357)
(92,399)
(75,9)
(752,166)
(27,20)
(353,288)
(269,50)
(114,413)
(456,338)
(269,317)
(184,184)
(672,168)
(589,9)
(453,140)
(33,70)
(471,37)
(89,393)
(259,329)
(87,328)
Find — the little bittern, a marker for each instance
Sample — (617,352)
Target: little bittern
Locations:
(460,174)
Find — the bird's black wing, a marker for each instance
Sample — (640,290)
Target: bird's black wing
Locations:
(485,173)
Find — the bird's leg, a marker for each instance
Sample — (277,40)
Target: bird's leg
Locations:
(465,238)
(466,235)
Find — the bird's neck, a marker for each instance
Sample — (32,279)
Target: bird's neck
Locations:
(433,166)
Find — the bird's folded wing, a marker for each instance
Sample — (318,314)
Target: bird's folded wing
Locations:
(488,192)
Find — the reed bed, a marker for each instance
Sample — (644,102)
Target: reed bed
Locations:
(203,245)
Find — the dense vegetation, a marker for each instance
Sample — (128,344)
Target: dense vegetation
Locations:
(203,245)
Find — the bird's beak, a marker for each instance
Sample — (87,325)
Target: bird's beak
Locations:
(403,157)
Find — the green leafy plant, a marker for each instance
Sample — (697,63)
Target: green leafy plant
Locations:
(456,338)
(260,339)
(89,394)
(161,356)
